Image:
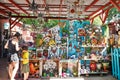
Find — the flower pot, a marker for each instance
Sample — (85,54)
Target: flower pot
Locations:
(99,66)
(45,53)
(105,66)
(39,55)
(93,66)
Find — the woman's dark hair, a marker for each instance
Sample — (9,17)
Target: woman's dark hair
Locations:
(17,34)
(24,47)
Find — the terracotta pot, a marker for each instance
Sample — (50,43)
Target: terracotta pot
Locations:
(93,66)
(99,66)
(105,66)
(39,55)
(45,53)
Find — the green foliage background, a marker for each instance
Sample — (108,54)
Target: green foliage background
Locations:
(49,24)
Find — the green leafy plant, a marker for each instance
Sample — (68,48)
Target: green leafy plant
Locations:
(112,12)
(65,31)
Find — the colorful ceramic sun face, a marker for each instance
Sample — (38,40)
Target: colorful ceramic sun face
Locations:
(81,32)
(94,41)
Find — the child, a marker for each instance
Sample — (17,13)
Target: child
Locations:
(25,62)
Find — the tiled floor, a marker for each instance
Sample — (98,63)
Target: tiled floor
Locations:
(4,75)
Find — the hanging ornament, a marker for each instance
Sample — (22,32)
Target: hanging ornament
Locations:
(33,6)
(72,11)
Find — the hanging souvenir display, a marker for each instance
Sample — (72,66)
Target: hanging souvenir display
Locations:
(74,40)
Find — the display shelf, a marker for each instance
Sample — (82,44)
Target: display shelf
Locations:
(96,73)
(94,45)
(93,59)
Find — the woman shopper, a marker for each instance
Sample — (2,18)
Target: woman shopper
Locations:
(25,62)
(13,47)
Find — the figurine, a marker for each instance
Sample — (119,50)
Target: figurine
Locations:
(118,38)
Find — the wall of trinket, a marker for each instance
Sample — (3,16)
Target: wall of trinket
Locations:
(72,49)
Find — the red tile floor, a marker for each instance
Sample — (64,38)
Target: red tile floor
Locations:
(4,75)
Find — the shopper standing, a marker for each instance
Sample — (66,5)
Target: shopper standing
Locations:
(25,62)
(13,47)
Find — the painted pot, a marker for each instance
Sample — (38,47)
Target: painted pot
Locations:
(105,66)
(99,66)
(45,53)
(39,55)
(93,66)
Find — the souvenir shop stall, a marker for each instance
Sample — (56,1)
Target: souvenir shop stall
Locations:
(115,48)
(71,49)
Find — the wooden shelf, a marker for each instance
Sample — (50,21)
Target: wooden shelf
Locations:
(95,73)
(93,46)
(93,59)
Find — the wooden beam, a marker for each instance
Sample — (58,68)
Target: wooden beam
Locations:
(11,10)
(115,4)
(44,1)
(10,23)
(101,18)
(60,7)
(91,21)
(101,12)
(108,8)
(101,8)
(93,2)
(28,1)
(15,23)
(50,17)
(45,4)
(106,15)
(3,13)
(18,6)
